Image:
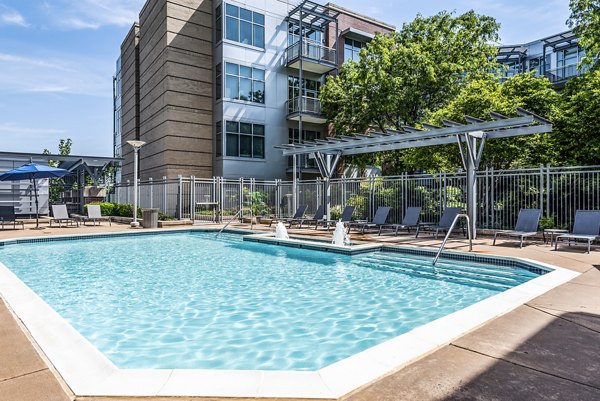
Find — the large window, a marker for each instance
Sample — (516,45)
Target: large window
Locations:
(219,23)
(219,81)
(245,140)
(352,49)
(244,83)
(307,135)
(219,138)
(244,26)
(566,62)
(310,35)
(311,88)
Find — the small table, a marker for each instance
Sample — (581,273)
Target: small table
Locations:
(553,232)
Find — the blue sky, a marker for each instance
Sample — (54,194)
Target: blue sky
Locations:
(57,58)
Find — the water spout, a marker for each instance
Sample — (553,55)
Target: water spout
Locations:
(281,231)
(340,237)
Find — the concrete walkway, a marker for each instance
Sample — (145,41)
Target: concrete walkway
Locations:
(548,349)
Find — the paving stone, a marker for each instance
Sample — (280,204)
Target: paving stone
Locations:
(456,374)
(39,386)
(540,341)
(17,355)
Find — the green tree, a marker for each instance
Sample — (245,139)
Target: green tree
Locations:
(578,128)
(478,99)
(57,185)
(402,76)
(585,22)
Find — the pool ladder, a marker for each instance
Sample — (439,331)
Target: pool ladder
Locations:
(229,222)
(458,216)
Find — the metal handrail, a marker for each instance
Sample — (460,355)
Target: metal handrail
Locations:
(229,222)
(439,252)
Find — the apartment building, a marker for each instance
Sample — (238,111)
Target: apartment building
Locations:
(213,86)
(555,57)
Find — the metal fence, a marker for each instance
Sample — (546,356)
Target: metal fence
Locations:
(558,191)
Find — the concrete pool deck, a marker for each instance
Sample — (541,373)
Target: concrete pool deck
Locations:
(545,349)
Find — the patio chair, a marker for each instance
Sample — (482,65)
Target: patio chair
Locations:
(316,218)
(346,218)
(446,220)
(60,216)
(7,215)
(297,216)
(94,214)
(379,219)
(527,225)
(586,228)
(410,220)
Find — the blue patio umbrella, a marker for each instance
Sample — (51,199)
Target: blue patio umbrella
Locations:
(32,171)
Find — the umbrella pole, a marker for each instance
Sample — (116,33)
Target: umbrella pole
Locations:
(37,209)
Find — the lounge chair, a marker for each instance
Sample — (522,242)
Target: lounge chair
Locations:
(7,215)
(346,218)
(410,220)
(379,219)
(60,215)
(315,219)
(586,227)
(297,216)
(94,214)
(527,225)
(446,220)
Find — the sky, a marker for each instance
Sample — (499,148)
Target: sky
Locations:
(57,59)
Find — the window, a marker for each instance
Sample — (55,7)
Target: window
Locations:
(311,88)
(219,23)
(244,83)
(245,140)
(307,135)
(352,49)
(219,81)
(244,26)
(310,35)
(566,62)
(219,138)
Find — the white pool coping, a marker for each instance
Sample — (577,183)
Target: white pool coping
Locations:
(89,373)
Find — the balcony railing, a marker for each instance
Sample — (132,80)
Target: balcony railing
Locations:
(563,73)
(303,162)
(311,51)
(304,104)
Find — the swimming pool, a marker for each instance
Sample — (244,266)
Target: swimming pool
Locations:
(186,314)
(193,301)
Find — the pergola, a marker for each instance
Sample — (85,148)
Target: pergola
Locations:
(470,138)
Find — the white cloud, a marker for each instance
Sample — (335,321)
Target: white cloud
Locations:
(13,128)
(12,17)
(60,75)
(93,14)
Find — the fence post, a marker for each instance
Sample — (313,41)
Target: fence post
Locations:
(548,190)
(541,187)
(193,198)
(241,200)
(487,198)
(492,198)
(164,186)
(180,197)
(127,192)
(151,192)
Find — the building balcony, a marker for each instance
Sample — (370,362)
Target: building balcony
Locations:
(304,163)
(560,75)
(310,108)
(315,57)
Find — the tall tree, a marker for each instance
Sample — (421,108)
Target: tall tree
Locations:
(400,77)
(585,22)
(578,128)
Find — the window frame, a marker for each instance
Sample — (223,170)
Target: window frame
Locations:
(255,136)
(257,78)
(256,24)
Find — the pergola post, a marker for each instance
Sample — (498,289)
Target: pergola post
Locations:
(472,188)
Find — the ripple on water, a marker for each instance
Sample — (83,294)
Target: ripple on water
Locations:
(190,301)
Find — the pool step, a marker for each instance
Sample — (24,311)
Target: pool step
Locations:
(471,275)
(496,271)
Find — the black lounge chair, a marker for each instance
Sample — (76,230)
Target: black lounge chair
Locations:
(346,218)
(410,220)
(299,215)
(446,220)
(586,227)
(527,225)
(379,219)
(315,219)
(7,215)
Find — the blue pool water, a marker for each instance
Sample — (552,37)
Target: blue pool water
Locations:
(191,301)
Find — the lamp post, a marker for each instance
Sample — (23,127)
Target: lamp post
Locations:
(136,148)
